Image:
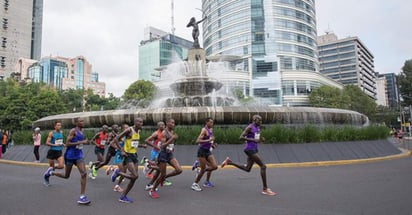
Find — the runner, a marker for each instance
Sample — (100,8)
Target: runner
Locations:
(111,152)
(118,161)
(207,161)
(155,140)
(251,135)
(55,141)
(129,152)
(101,139)
(166,156)
(74,156)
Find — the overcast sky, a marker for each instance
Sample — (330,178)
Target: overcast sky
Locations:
(108,32)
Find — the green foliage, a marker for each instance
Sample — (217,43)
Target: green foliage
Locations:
(359,101)
(142,91)
(405,82)
(276,134)
(328,97)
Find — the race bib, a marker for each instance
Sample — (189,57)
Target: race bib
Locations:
(58,142)
(80,146)
(103,142)
(170,147)
(135,143)
(257,136)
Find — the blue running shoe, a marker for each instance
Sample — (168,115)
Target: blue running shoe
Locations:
(83,200)
(208,184)
(125,199)
(47,175)
(115,174)
(195,165)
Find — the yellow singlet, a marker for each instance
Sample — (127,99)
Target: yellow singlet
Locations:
(132,143)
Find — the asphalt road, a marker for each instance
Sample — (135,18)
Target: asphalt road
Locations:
(371,188)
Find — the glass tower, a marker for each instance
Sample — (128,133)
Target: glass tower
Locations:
(277,40)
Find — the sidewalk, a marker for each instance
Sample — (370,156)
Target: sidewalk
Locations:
(271,153)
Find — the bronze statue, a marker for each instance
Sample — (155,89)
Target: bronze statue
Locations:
(195,32)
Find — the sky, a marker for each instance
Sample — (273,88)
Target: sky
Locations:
(108,33)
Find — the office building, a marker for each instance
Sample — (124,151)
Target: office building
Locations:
(67,73)
(347,61)
(381,91)
(160,49)
(21,32)
(392,90)
(277,42)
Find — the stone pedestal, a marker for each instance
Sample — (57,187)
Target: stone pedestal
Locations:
(196,59)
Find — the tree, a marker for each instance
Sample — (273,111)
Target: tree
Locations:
(360,101)
(140,92)
(112,102)
(73,99)
(328,97)
(405,82)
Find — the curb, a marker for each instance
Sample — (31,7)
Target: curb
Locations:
(405,153)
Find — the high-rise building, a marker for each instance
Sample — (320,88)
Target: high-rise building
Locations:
(160,49)
(277,41)
(67,73)
(347,61)
(381,91)
(21,32)
(392,90)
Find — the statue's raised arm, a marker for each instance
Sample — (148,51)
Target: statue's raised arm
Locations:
(195,32)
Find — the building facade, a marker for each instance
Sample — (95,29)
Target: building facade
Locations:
(381,91)
(160,49)
(21,32)
(392,90)
(347,61)
(277,41)
(66,73)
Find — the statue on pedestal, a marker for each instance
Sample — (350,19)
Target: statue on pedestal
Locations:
(195,32)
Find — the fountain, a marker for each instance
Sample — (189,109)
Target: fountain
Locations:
(194,100)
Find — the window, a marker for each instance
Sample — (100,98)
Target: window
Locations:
(2,61)
(5,23)
(3,42)
(6,5)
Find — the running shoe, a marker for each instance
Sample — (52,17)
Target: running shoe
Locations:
(154,194)
(224,163)
(148,187)
(94,171)
(196,187)
(109,169)
(47,175)
(149,175)
(195,165)
(83,200)
(167,183)
(143,160)
(268,192)
(125,199)
(208,184)
(117,188)
(115,174)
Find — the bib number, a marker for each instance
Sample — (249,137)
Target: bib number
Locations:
(80,146)
(135,143)
(103,142)
(257,136)
(58,142)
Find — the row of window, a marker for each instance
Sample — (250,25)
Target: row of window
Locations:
(295,14)
(299,4)
(296,63)
(338,63)
(337,57)
(6,5)
(296,49)
(2,61)
(295,37)
(338,69)
(300,87)
(337,50)
(336,45)
(297,26)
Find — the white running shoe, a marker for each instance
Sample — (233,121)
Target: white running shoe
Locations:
(196,187)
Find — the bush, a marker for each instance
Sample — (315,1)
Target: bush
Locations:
(230,135)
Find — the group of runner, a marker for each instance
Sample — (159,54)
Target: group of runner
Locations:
(123,147)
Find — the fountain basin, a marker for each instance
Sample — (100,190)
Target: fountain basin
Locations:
(230,115)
